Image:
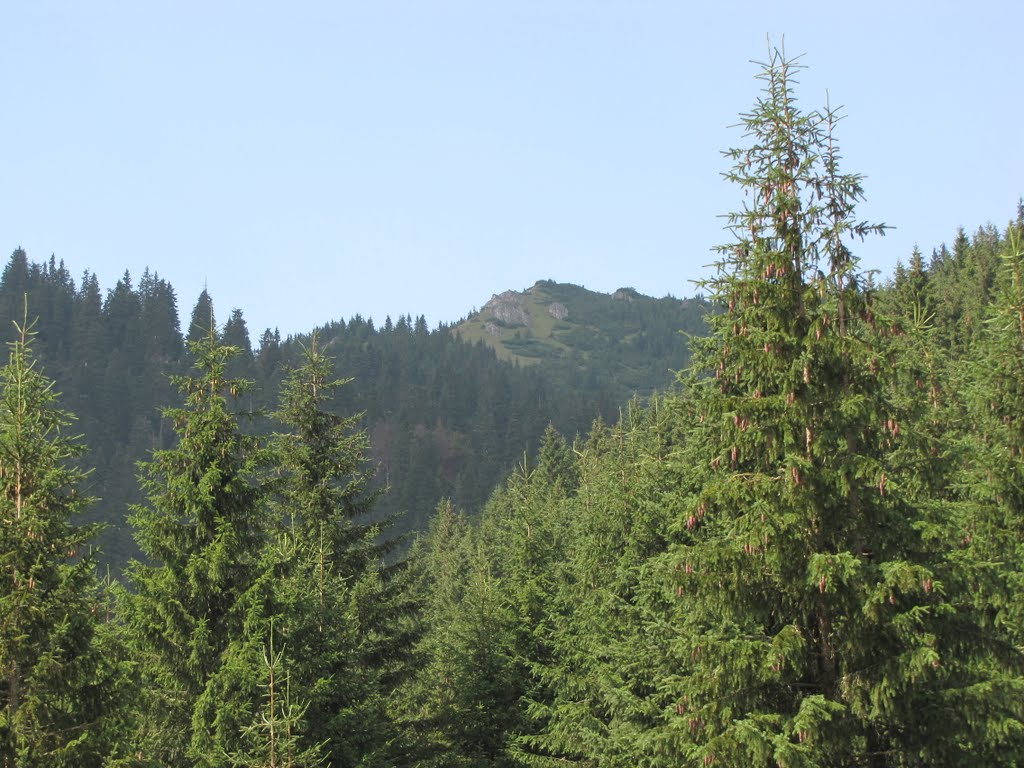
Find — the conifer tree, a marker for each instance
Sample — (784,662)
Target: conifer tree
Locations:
(987,534)
(925,452)
(236,334)
(588,708)
(57,690)
(15,285)
(461,707)
(202,322)
(555,462)
(337,603)
(159,319)
(796,620)
(522,542)
(439,568)
(273,740)
(997,410)
(202,532)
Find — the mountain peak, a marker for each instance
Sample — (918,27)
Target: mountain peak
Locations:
(559,322)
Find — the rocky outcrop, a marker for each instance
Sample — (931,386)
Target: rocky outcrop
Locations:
(509,308)
(558,311)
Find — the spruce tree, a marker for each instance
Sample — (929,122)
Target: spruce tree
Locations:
(796,619)
(590,707)
(273,739)
(57,689)
(986,541)
(555,462)
(461,705)
(995,474)
(336,604)
(201,532)
(201,322)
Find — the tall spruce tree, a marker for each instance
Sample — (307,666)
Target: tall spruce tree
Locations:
(57,689)
(273,739)
(996,472)
(797,619)
(336,603)
(202,532)
(202,322)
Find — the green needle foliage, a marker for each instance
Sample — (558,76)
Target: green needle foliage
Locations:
(803,620)
(809,555)
(337,606)
(461,702)
(202,533)
(988,530)
(57,690)
(996,473)
(273,739)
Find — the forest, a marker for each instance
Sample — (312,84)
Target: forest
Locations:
(806,548)
(445,416)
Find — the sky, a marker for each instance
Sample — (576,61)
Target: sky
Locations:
(309,161)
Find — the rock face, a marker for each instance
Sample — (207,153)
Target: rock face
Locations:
(492,329)
(509,308)
(558,311)
(625,294)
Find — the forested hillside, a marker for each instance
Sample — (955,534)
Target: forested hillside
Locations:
(809,555)
(809,551)
(446,417)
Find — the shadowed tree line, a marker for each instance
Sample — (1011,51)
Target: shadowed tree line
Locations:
(446,418)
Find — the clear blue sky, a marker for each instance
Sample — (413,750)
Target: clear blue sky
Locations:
(312,160)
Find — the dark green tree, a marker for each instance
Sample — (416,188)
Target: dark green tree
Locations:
(57,688)
(268,358)
(590,707)
(461,706)
(159,320)
(988,530)
(16,284)
(797,618)
(202,322)
(273,739)
(337,605)
(202,532)
(997,411)
(236,334)
(555,464)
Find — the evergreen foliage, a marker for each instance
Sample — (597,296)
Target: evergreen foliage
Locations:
(201,533)
(273,739)
(58,689)
(617,520)
(809,553)
(777,566)
(445,417)
(995,474)
(811,625)
(458,707)
(336,600)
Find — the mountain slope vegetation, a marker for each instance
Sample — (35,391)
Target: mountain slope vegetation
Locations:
(808,553)
(446,414)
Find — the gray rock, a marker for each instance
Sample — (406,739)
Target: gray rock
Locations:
(558,311)
(509,307)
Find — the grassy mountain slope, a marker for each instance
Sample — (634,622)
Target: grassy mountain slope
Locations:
(630,342)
